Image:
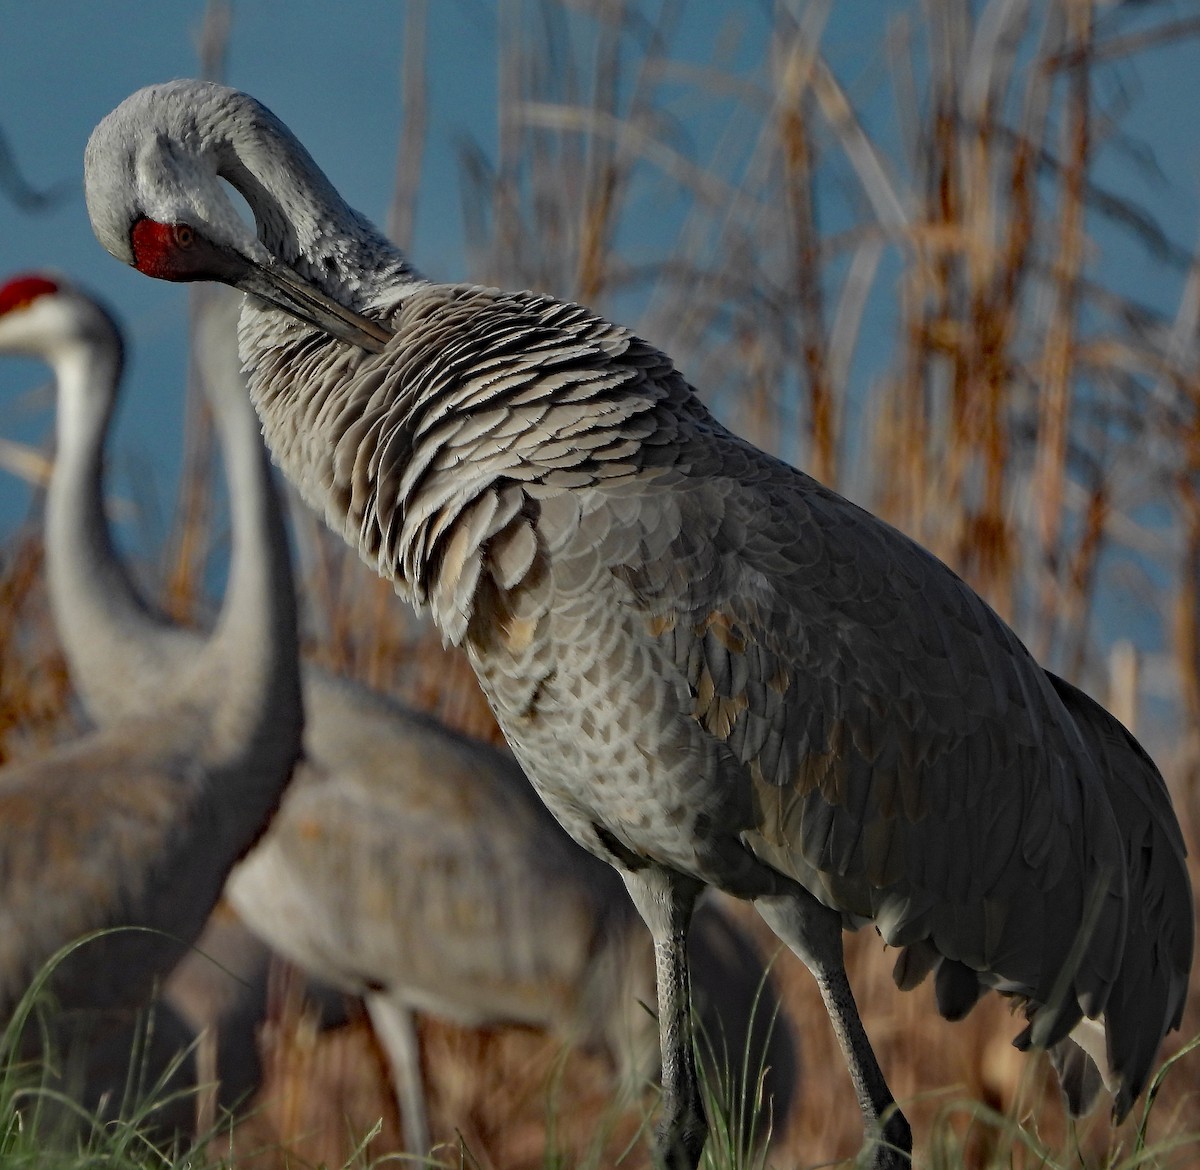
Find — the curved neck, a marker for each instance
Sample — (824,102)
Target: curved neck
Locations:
(252,658)
(259,591)
(299,215)
(125,657)
(109,633)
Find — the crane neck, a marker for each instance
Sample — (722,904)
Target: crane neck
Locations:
(299,215)
(87,376)
(254,649)
(105,624)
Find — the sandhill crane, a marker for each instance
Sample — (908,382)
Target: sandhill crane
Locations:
(714,670)
(407,864)
(137,824)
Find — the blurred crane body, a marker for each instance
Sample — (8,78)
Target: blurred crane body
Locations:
(407,864)
(714,670)
(418,869)
(138,823)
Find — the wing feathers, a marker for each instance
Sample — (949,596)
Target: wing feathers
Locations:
(905,756)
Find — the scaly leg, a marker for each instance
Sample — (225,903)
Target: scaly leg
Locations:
(814,932)
(665,900)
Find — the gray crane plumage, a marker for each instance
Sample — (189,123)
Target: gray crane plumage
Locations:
(420,871)
(138,823)
(371,875)
(714,669)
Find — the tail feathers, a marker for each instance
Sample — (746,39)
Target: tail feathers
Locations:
(958,989)
(1078,1046)
(1048,1028)
(956,986)
(1078,1076)
(1147,999)
(1148,989)
(914,962)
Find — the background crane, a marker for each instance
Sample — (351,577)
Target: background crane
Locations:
(411,865)
(138,823)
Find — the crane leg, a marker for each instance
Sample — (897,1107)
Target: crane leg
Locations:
(396,1031)
(814,932)
(665,900)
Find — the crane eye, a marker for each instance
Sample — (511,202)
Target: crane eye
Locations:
(184,236)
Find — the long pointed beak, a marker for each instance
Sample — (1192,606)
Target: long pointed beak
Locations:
(287,290)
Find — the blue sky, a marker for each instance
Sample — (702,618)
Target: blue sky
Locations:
(331,72)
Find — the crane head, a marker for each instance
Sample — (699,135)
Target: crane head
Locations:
(153,174)
(19,293)
(42,316)
(178,251)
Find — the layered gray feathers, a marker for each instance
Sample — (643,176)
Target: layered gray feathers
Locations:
(758,678)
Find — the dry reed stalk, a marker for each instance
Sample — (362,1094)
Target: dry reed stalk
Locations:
(799,167)
(1187,597)
(599,190)
(1080,578)
(386,651)
(401,214)
(1124,668)
(978,446)
(1050,458)
(1186,491)
(1131,44)
(318,556)
(905,436)
(990,541)
(969,251)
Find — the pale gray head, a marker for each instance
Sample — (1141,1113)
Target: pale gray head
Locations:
(152,176)
(44,316)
